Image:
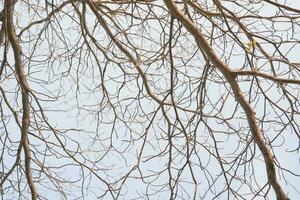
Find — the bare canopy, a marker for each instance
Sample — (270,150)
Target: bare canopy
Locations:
(149,99)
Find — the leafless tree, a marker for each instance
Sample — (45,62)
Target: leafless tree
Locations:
(131,99)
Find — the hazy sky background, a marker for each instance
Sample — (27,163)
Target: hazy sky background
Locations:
(65,114)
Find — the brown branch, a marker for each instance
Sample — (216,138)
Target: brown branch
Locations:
(266,76)
(9,9)
(230,77)
(134,61)
(282,6)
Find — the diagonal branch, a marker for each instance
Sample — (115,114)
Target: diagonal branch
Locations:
(230,78)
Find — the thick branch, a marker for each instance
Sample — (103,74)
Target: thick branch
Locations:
(230,77)
(267,76)
(9,9)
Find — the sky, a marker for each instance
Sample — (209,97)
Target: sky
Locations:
(74,77)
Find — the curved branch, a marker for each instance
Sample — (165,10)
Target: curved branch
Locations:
(9,9)
(230,75)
